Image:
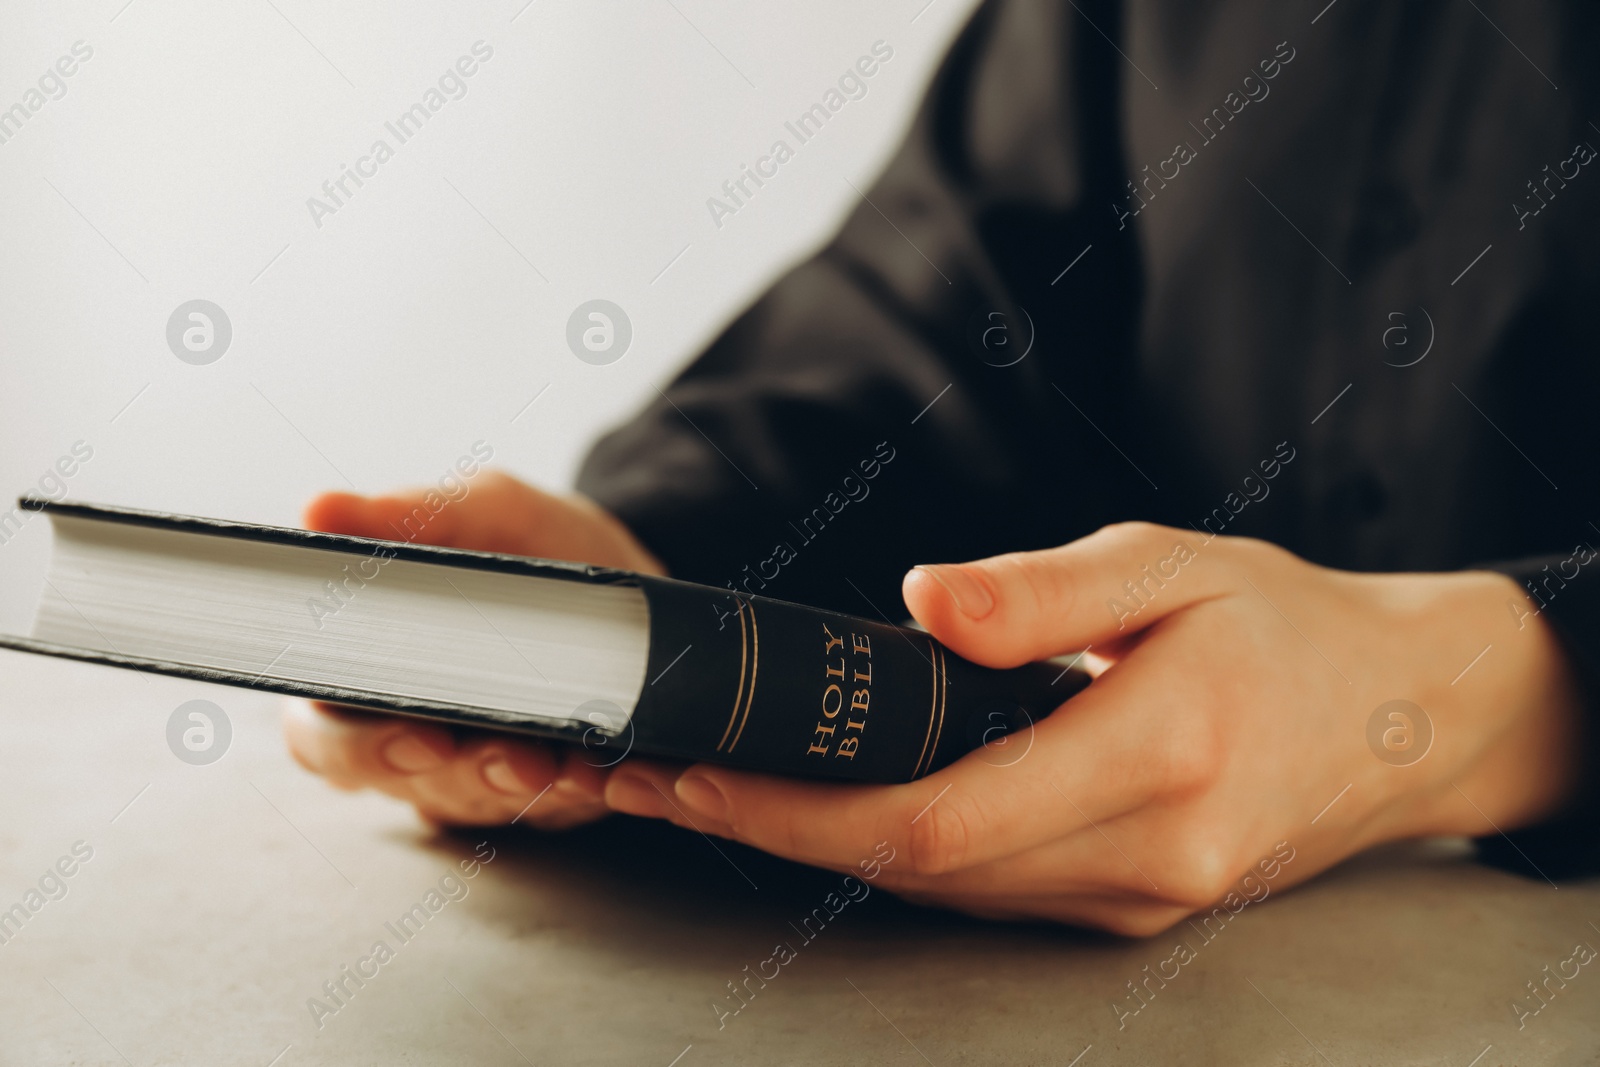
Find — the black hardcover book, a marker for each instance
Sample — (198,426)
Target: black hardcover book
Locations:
(616,661)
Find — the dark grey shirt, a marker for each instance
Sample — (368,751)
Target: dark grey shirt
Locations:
(1311,274)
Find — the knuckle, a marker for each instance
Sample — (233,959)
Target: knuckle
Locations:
(1198,872)
(1252,552)
(1131,532)
(1257,546)
(1191,760)
(940,837)
(1041,582)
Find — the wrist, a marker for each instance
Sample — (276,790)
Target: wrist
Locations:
(1501,681)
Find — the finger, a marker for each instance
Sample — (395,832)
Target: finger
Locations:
(340,513)
(578,780)
(1012,609)
(492,513)
(516,769)
(354,746)
(1105,859)
(1083,864)
(646,787)
(1090,863)
(400,517)
(570,792)
(488,781)
(1118,745)
(495,780)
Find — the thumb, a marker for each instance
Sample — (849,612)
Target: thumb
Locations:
(1024,606)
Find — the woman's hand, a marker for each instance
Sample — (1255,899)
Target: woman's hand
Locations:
(1231,715)
(457,775)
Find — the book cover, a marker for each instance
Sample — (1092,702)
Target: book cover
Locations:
(732,678)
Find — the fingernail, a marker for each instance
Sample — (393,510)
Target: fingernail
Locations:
(498,773)
(972,597)
(408,755)
(634,795)
(573,793)
(700,796)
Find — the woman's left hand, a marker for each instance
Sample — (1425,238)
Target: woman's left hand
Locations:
(1229,727)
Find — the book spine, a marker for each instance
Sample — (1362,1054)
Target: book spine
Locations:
(789,689)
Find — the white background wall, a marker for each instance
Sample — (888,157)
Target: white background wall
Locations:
(378,347)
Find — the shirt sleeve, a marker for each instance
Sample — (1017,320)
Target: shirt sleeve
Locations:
(858,419)
(1565,594)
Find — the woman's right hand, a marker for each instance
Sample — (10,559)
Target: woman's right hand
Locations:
(456,775)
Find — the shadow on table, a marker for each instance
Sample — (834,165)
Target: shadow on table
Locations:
(641,882)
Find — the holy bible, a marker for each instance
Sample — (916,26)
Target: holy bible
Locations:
(612,660)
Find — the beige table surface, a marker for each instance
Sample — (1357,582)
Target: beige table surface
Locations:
(222,897)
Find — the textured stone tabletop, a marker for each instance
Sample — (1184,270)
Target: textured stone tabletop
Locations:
(216,902)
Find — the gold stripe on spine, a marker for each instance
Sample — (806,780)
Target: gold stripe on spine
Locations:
(744,656)
(755,662)
(944,699)
(933,710)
